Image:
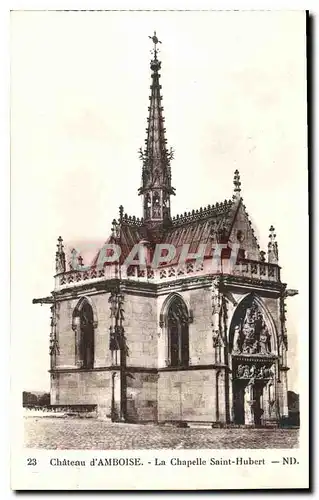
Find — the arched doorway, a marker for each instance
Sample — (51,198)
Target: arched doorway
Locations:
(254,361)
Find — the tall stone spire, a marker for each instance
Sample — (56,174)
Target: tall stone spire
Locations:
(156,174)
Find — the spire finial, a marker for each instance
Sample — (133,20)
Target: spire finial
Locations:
(60,257)
(155,40)
(121,211)
(60,244)
(272,246)
(237,184)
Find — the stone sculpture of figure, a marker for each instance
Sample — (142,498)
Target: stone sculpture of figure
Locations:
(248,330)
(252,371)
(261,372)
(216,302)
(246,372)
(236,347)
(240,371)
(268,373)
(249,323)
(217,339)
(264,340)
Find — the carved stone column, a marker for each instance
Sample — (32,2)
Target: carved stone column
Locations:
(119,349)
(54,349)
(217,323)
(163,347)
(266,402)
(76,327)
(249,405)
(113,341)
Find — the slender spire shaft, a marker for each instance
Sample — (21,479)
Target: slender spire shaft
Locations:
(156,174)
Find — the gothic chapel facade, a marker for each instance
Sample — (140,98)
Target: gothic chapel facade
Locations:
(180,342)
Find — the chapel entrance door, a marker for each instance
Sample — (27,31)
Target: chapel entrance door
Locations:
(239,402)
(258,411)
(247,403)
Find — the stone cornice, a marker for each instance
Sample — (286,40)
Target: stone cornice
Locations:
(181,284)
(145,288)
(140,369)
(231,281)
(211,366)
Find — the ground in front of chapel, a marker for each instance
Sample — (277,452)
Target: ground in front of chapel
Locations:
(84,433)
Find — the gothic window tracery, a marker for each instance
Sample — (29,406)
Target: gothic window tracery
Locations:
(178,333)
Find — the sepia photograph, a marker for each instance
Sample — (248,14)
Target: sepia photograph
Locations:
(159,243)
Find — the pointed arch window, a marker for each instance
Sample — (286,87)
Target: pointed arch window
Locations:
(83,325)
(178,333)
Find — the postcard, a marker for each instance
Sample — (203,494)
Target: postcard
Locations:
(159,199)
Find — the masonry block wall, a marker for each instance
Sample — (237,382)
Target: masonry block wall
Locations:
(66,356)
(141,396)
(141,330)
(190,394)
(186,395)
(200,330)
(81,387)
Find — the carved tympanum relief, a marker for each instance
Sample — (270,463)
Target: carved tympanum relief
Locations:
(250,333)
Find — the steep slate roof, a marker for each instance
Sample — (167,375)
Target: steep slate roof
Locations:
(204,226)
(207,225)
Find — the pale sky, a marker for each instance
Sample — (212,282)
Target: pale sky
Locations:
(234,96)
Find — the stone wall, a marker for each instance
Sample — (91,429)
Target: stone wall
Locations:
(200,330)
(141,397)
(141,330)
(82,387)
(187,395)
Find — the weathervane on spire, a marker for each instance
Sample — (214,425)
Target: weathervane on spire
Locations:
(155,41)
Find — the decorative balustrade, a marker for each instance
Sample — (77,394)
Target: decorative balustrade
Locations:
(245,268)
(259,270)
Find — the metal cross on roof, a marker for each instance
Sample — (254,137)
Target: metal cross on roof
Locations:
(155,40)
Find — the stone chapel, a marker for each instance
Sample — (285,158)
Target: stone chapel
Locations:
(179,343)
